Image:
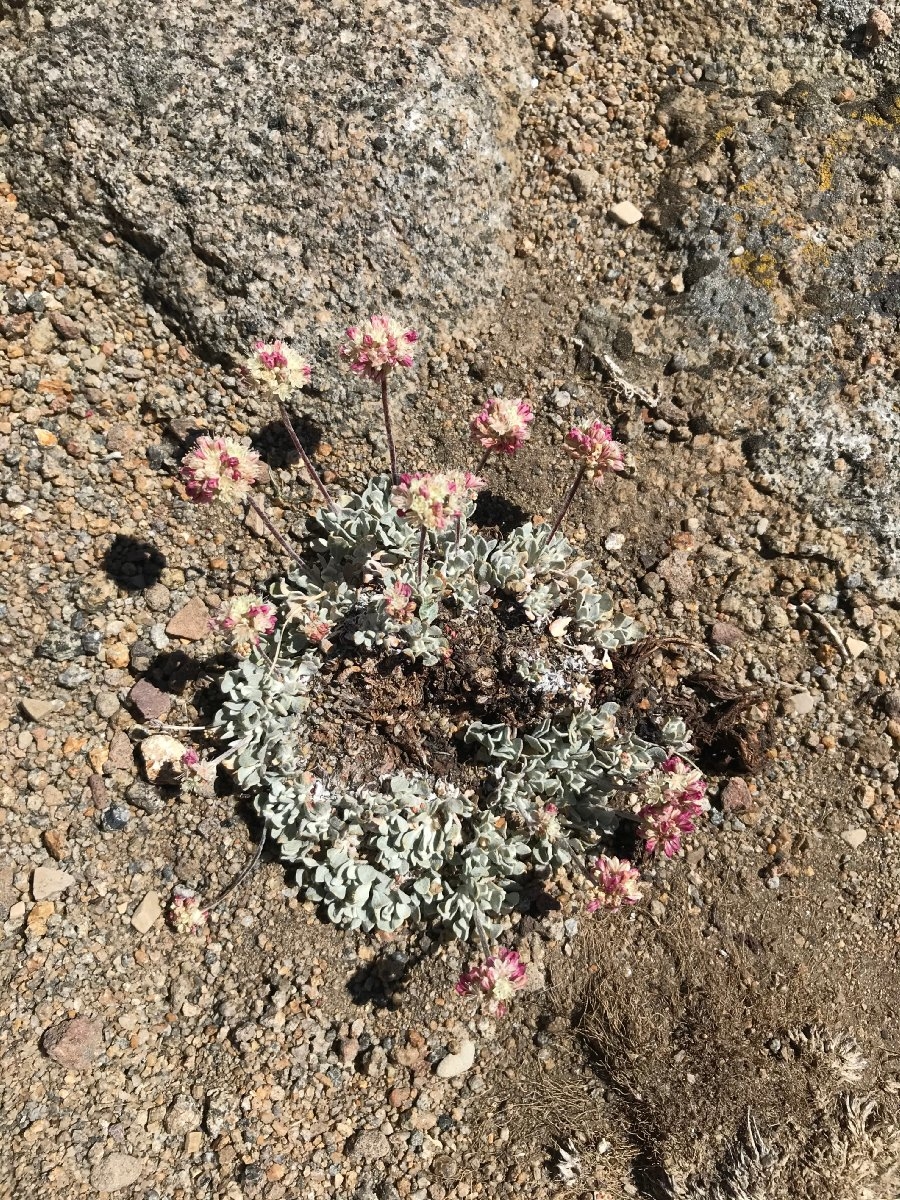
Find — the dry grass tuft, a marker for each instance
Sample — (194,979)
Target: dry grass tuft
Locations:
(724,1062)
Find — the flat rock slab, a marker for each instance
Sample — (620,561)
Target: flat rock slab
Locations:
(458,1063)
(150,703)
(116,1171)
(190,622)
(74,1044)
(147,912)
(723,633)
(35,709)
(48,882)
(368,1146)
(800,704)
(676,571)
(625,213)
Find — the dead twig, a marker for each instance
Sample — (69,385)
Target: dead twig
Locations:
(829,629)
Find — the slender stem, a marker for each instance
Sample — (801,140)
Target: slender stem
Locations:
(306,460)
(482,461)
(241,876)
(389,429)
(422,536)
(567,500)
(276,534)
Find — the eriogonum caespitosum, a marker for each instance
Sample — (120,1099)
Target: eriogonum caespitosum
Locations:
(685,784)
(246,619)
(398,601)
(497,980)
(378,345)
(662,827)
(594,449)
(278,367)
(617,879)
(429,500)
(185,913)
(219,469)
(502,425)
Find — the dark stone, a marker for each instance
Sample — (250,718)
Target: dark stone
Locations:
(61,644)
(115,818)
(91,642)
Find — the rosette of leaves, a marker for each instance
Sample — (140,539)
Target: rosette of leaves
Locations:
(407,848)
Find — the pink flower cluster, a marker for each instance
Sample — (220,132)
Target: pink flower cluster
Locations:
(497,980)
(316,630)
(432,500)
(547,823)
(617,880)
(219,468)
(246,619)
(185,913)
(502,425)
(683,800)
(201,770)
(398,601)
(278,367)
(378,346)
(594,449)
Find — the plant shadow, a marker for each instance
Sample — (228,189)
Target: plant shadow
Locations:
(132,564)
(493,511)
(273,442)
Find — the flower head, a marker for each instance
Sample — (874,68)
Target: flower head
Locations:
(246,619)
(594,449)
(185,913)
(278,367)
(398,601)
(316,630)
(465,487)
(617,879)
(497,979)
(428,500)
(546,822)
(662,826)
(502,425)
(219,468)
(378,345)
(685,785)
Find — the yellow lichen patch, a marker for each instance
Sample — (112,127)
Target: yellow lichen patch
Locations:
(761,269)
(836,143)
(815,254)
(874,121)
(721,134)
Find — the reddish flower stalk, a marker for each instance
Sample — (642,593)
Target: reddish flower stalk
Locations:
(275,532)
(596,453)
(374,349)
(567,501)
(306,460)
(388,426)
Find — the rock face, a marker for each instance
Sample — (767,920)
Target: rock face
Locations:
(272,166)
